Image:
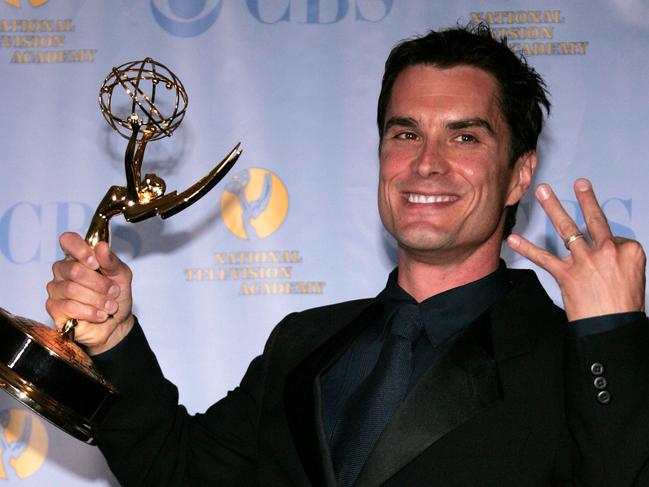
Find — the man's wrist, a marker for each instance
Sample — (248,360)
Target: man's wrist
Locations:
(118,334)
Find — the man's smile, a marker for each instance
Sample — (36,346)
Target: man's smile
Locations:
(418,198)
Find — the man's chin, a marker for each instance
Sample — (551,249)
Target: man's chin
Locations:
(424,241)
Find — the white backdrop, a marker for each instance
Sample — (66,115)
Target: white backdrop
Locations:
(296,81)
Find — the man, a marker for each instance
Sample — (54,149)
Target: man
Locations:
(461,372)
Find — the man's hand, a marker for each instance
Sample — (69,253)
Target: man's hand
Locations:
(602,277)
(94,287)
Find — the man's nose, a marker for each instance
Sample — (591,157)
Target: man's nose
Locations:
(430,160)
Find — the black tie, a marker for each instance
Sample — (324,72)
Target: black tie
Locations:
(372,404)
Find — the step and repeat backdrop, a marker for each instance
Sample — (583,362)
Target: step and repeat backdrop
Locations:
(294,224)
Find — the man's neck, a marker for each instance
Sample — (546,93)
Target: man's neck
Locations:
(423,278)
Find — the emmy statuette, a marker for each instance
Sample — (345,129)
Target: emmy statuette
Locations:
(44,368)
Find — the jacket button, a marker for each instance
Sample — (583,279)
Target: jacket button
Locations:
(604,397)
(600,382)
(597,368)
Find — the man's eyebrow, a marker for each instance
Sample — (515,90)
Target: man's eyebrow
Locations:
(471,122)
(400,121)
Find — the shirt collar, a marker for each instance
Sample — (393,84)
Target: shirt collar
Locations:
(445,314)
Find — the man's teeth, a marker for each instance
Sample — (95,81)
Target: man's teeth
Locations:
(422,198)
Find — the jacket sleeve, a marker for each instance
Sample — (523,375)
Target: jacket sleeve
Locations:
(607,384)
(148,439)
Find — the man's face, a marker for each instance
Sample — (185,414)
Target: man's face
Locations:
(445,177)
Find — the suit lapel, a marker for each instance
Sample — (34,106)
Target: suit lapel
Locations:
(461,383)
(302,393)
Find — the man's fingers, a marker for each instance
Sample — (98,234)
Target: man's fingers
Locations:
(75,272)
(92,286)
(596,222)
(111,265)
(68,290)
(539,256)
(562,221)
(61,310)
(76,248)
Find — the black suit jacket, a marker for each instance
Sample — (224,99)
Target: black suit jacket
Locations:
(511,402)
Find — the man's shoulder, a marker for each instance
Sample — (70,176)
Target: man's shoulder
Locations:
(527,307)
(522,274)
(341,308)
(526,281)
(526,289)
(330,316)
(302,331)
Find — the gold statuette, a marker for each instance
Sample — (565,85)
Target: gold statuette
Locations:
(45,369)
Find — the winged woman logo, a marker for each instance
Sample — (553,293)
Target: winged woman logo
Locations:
(254,203)
(33,3)
(23,444)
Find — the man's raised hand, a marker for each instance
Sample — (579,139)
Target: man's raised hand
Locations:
(92,286)
(600,277)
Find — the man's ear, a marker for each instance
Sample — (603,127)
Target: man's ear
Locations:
(521,177)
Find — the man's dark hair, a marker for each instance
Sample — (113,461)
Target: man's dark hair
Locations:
(522,96)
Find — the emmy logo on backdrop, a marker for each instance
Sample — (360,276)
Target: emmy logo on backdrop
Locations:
(44,368)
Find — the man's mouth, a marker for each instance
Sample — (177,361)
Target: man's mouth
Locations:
(428,199)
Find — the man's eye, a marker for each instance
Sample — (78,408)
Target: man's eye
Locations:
(406,136)
(466,138)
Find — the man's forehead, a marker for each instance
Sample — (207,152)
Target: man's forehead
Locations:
(463,88)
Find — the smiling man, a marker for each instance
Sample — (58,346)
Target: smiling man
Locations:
(461,371)
(445,176)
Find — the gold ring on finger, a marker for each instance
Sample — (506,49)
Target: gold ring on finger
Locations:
(567,241)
